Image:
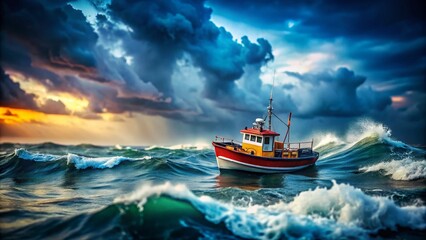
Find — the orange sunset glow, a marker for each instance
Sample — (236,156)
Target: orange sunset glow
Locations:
(20,125)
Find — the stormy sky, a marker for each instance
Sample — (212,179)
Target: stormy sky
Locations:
(153,72)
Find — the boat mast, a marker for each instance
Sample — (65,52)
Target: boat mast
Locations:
(270,113)
(270,106)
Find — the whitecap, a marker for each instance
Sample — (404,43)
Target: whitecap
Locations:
(327,138)
(81,162)
(198,146)
(361,130)
(405,169)
(38,157)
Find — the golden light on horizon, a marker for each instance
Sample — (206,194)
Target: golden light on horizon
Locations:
(14,116)
(28,126)
(72,103)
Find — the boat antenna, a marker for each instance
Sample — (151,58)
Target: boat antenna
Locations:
(270,105)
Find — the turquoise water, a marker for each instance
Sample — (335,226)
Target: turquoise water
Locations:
(368,186)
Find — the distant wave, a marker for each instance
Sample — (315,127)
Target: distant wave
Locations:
(339,212)
(81,162)
(201,146)
(405,169)
(38,157)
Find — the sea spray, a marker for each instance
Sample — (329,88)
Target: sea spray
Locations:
(324,139)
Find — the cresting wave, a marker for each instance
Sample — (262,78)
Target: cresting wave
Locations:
(339,212)
(100,162)
(38,157)
(363,130)
(199,146)
(79,162)
(405,169)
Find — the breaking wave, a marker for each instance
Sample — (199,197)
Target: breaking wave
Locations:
(339,212)
(38,157)
(363,133)
(200,146)
(173,211)
(405,169)
(81,162)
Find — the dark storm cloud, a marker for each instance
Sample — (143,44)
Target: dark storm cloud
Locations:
(56,35)
(338,93)
(386,38)
(169,29)
(53,43)
(17,59)
(12,95)
(331,19)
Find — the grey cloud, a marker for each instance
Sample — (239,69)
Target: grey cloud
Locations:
(54,107)
(337,93)
(168,29)
(57,35)
(12,95)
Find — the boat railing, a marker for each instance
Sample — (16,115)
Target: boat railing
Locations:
(224,139)
(299,145)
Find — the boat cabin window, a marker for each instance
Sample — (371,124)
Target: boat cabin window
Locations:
(259,139)
(247,137)
(253,138)
(268,144)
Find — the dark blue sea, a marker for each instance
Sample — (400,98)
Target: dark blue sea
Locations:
(366,185)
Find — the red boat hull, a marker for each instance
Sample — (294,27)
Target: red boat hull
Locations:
(231,159)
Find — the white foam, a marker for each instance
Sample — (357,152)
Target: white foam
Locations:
(198,146)
(340,212)
(365,128)
(327,138)
(405,169)
(360,130)
(38,157)
(81,162)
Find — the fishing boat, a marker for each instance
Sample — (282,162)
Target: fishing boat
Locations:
(260,151)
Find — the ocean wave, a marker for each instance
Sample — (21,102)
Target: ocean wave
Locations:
(199,146)
(327,139)
(405,169)
(363,133)
(81,162)
(339,212)
(38,157)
